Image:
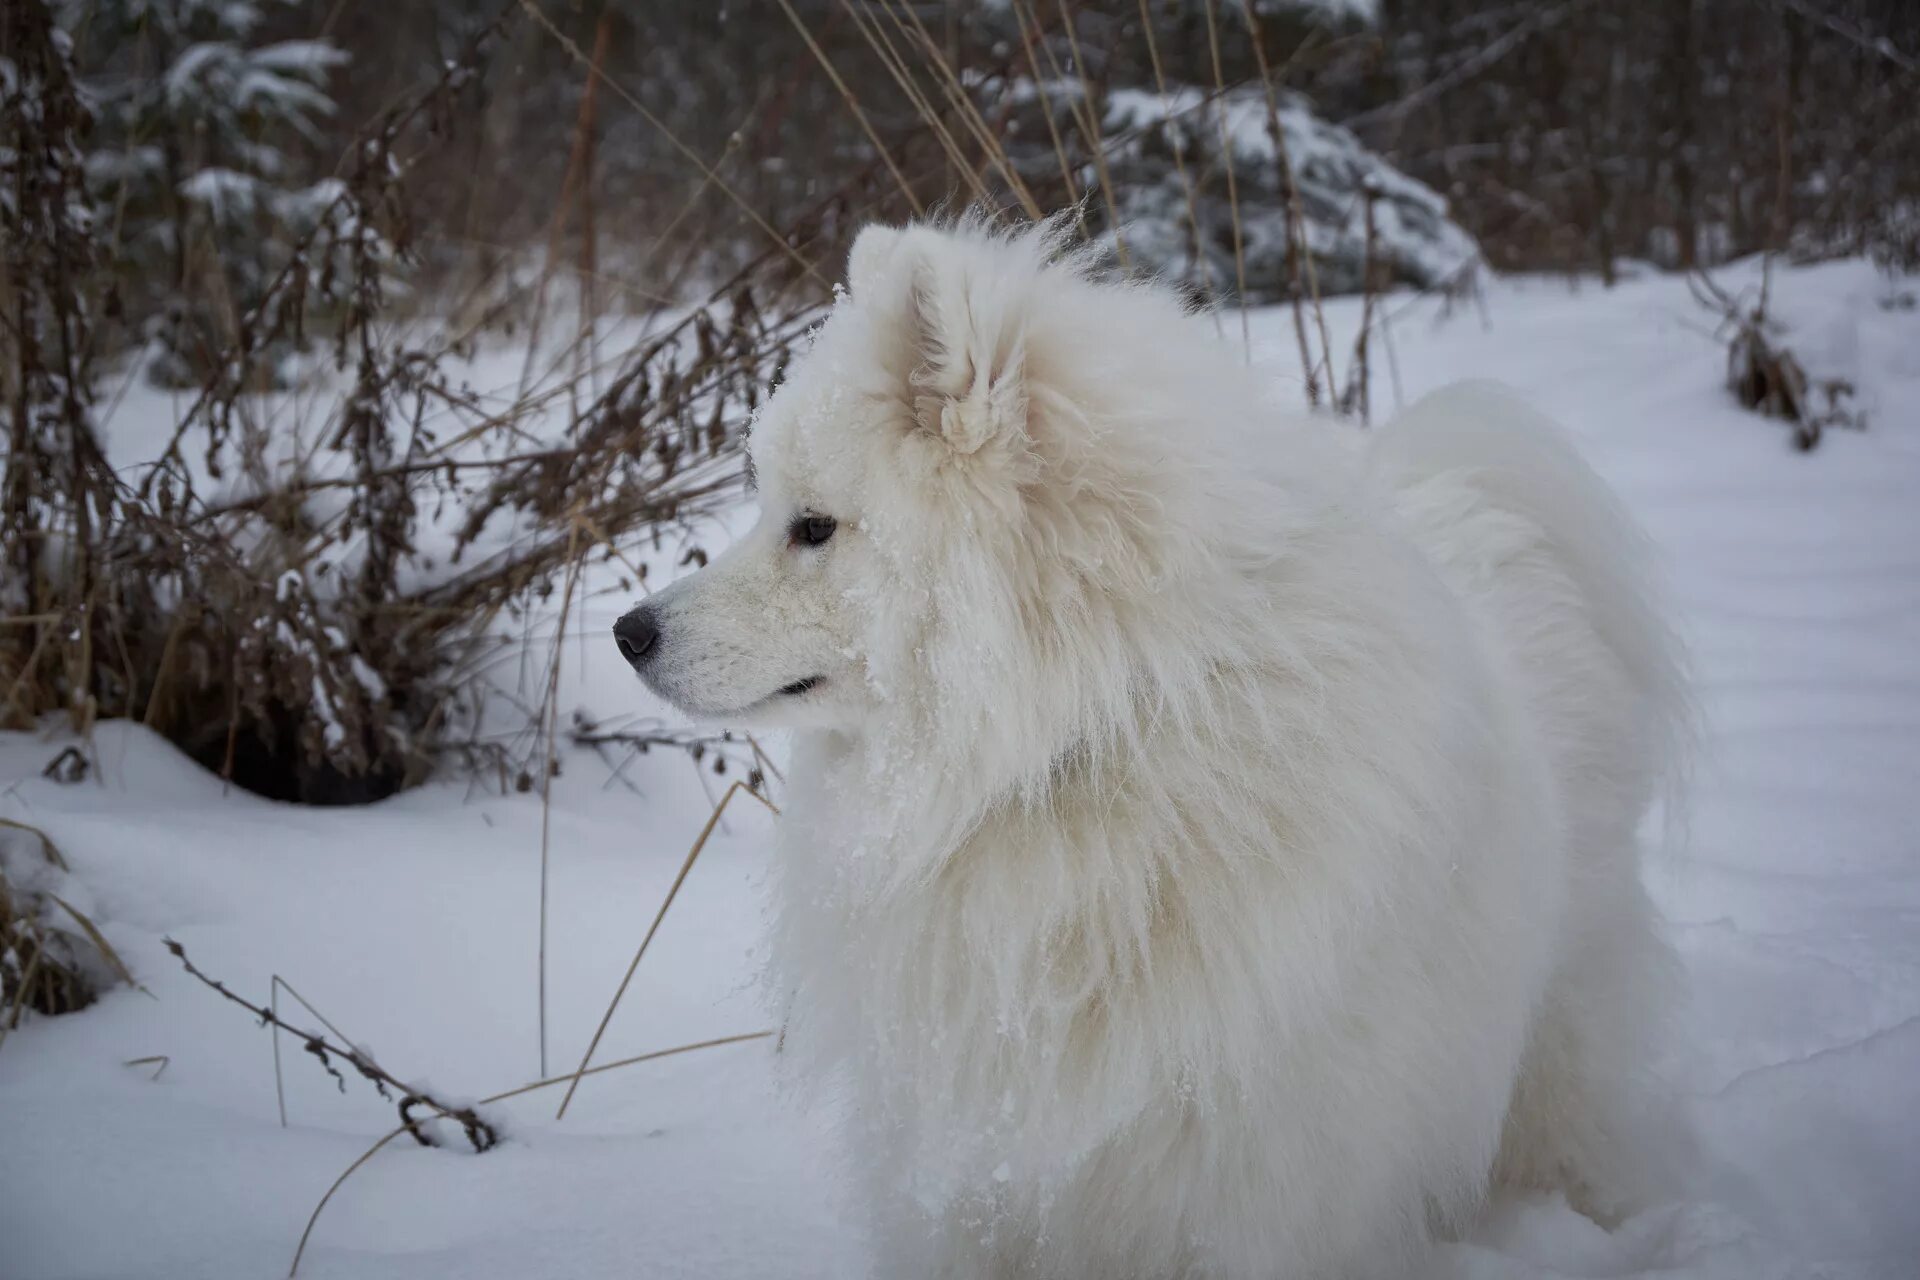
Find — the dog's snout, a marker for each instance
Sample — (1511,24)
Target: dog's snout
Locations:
(637,633)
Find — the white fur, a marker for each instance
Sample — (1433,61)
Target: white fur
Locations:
(1211,849)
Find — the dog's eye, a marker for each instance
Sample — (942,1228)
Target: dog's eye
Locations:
(811,530)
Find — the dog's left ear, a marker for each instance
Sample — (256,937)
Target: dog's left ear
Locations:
(964,341)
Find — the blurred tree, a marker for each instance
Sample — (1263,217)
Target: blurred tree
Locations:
(193,161)
(1578,133)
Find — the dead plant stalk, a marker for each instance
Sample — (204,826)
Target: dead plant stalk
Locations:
(693,855)
(301,1249)
(479,1131)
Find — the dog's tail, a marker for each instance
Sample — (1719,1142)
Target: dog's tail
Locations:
(1591,1116)
(1523,463)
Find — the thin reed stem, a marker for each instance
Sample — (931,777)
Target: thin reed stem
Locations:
(693,855)
(853,105)
(1233,188)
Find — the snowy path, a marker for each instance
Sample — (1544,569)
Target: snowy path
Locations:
(1795,900)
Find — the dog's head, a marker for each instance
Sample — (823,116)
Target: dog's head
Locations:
(959,519)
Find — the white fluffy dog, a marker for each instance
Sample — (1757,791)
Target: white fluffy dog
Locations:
(1211,843)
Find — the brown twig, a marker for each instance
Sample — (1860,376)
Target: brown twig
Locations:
(1233,187)
(1175,144)
(370,1152)
(479,1131)
(1299,258)
(158,1061)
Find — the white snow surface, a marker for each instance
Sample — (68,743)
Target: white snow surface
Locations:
(1793,894)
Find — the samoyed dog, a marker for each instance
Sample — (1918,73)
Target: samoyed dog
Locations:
(1211,838)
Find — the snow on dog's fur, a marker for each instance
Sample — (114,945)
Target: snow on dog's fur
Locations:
(1211,843)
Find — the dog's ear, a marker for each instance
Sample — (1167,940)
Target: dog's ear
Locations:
(962,351)
(867,262)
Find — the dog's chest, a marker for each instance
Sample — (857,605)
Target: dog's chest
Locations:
(993,1014)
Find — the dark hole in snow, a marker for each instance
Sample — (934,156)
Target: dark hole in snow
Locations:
(274,764)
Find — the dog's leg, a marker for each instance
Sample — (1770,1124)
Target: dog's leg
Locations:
(965,1242)
(1589,1117)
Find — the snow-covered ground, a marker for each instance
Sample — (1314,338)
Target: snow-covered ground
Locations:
(1794,897)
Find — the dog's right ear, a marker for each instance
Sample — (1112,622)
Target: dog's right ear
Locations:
(958,347)
(866,263)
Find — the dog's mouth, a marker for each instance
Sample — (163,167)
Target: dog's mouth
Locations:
(711,713)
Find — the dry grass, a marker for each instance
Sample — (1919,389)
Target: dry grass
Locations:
(287,637)
(572,1081)
(1765,376)
(307,1234)
(158,1061)
(693,855)
(53,957)
(479,1131)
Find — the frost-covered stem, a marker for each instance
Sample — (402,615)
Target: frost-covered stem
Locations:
(1876,45)
(277,985)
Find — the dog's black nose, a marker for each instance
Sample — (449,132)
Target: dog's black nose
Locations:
(636,634)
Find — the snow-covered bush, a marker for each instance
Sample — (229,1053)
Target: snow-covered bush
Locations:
(53,957)
(307,585)
(1413,241)
(1173,124)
